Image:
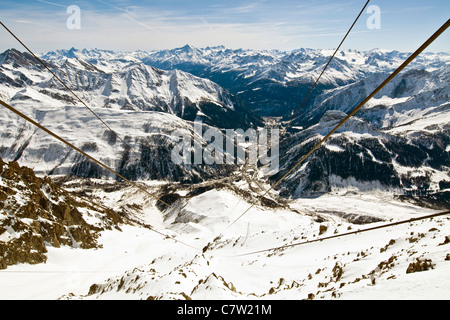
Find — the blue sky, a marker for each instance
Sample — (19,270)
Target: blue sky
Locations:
(259,24)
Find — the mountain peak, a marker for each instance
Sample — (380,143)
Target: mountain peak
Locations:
(17,58)
(187,48)
(71,53)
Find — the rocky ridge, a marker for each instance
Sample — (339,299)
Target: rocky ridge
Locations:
(36,213)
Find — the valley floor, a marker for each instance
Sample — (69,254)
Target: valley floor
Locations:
(212,260)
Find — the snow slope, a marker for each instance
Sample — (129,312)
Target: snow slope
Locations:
(136,263)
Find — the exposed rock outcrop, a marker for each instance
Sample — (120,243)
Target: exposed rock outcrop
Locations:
(36,213)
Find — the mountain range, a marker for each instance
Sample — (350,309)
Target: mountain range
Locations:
(270,81)
(70,226)
(399,140)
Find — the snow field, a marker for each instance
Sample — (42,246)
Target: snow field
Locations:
(136,263)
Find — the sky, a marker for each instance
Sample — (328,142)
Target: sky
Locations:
(128,25)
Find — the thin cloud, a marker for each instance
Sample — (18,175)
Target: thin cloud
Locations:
(130,15)
(114,7)
(245,9)
(52,3)
(408,10)
(23,21)
(138,22)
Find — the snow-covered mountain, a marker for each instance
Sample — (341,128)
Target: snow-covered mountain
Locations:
(274,82)
(271,82)
(123,85)
(399,140)
(406,125)
(408,120)
(142,104)
(416,96)
(361,155)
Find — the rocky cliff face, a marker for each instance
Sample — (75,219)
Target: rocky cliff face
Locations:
(35,214)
